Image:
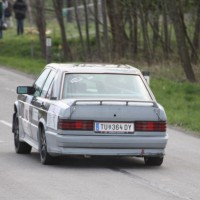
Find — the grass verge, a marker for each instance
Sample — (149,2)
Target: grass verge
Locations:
(181,101)
(29,66)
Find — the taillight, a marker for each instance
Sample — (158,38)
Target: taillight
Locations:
(75,125)
(150,126)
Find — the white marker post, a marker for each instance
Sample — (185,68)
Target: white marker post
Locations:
(48,49)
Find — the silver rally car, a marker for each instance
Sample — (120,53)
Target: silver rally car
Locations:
(89,109)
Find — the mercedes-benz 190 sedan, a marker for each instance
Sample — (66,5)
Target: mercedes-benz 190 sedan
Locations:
(90,109)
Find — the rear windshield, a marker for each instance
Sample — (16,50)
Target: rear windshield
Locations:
(104,86)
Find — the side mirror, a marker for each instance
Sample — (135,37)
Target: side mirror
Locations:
(25,90)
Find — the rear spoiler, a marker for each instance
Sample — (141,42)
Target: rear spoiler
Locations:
(114,102)
(110,102)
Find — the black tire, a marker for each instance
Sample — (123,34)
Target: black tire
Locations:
(45,158)
(153,161)
(20,147)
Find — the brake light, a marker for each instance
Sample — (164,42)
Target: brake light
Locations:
(150,126)
(75,125)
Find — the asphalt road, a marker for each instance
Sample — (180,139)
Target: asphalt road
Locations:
(76,178)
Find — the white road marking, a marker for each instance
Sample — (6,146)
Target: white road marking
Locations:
(6,123)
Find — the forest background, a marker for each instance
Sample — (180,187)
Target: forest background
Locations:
(160,36)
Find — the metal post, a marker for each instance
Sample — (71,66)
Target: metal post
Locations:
(32,47)
(48,49)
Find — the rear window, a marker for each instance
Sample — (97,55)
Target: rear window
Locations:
(104,86)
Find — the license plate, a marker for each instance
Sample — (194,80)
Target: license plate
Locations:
(109,127)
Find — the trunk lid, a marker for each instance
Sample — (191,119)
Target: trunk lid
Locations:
(114,110)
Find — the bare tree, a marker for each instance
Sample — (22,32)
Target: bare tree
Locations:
(58,5)
(196,37)
(105,30)
(155,11)
(146,42)
(176,16)
(135,29)
(69,4)
(79,27)
(87,28)
(131,18)
(96,20)
(30,13)
(166,31)
(40,20)
(119,37)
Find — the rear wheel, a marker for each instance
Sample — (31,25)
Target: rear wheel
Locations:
(20,147)
(45,158)
(153,161)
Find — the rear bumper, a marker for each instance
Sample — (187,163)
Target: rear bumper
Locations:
(105,145)
(108,152)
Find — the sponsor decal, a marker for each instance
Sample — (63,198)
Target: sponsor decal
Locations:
(52,117)
(35,114)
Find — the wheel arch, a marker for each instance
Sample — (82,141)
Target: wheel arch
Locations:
(16,109)
(41,125)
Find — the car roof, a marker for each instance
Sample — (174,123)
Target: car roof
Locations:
(94,68)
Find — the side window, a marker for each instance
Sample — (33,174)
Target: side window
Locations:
(40,82)
(52,91)
(48,83)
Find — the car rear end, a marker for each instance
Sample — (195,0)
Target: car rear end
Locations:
(119,117)
(112,130)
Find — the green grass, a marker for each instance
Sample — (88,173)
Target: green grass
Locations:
(27,65)
(16,52)
(181,102)
(180,99)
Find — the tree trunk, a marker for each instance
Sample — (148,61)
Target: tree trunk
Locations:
(105,31)
(155,27)
(196,37)
(186,35)
(79,28)
(87,29)
(98,40)
(58,10)
(135,29)
(69,14)
(119,40)
(132,21)
(175,14)
(39,15)
(147,49)
(30,13)
(166,32)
